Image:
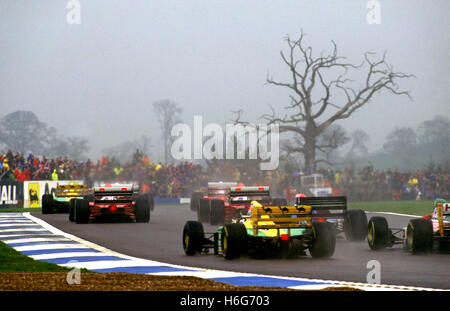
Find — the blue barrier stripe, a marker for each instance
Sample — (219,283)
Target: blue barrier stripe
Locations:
(142,269)
(83,259)
(58,251)
(265,281)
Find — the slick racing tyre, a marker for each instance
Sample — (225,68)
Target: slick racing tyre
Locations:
(378,233)
(47,204)
(324,240)
(234,240)
(193,237)
(217,212)
(355,225)
(419,236)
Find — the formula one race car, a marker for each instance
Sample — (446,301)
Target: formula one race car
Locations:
(112,202)
(215,190)
(232,203)
(353,223)
(419,236)
(62,197)
(283,230)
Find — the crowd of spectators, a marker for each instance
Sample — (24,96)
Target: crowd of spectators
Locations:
(180,180)
(367,184)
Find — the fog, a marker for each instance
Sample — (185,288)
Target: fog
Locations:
(100,78)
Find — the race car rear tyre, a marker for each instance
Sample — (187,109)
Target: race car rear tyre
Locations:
(419,236)
(195,200)
(142,211)
(47,204)
(82,211)
(234,240)
(324,240)
(378,233)
(217,212)
(203,212)
(279,202)
(193,237)
(355,225)
(72,204)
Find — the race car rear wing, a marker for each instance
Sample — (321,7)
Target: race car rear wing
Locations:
(280,217)
(124,192)
(249,191)
(72,190)
(321,206)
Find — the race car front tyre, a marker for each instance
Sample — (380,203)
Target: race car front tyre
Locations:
(355,225)
(142,211)
(195,200)
(419,236)
(234,240)
(82,211)
(378,233)
(193,237)
(203,212)
(217,212)
(47,204)
(323,241)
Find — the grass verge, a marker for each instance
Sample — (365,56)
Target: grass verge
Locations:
(14,261)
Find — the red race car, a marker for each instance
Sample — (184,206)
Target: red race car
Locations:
(112,202)
(231,203)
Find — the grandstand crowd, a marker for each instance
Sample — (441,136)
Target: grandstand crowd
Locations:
(180,180)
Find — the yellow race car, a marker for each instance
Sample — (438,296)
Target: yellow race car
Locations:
(62,198)
(284,230)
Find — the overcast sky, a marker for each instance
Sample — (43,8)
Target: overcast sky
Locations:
(100,78)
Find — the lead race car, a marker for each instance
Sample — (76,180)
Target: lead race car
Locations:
(419,236)
(112,202)
(284,230)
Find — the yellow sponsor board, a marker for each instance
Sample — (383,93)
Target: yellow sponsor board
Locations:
(34,195)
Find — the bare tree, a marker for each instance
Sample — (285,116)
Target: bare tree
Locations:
(317,101)
(167,113)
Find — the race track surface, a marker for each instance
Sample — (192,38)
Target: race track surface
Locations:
(161,240)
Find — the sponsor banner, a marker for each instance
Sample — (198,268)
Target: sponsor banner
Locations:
(33,190)
(11,194)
